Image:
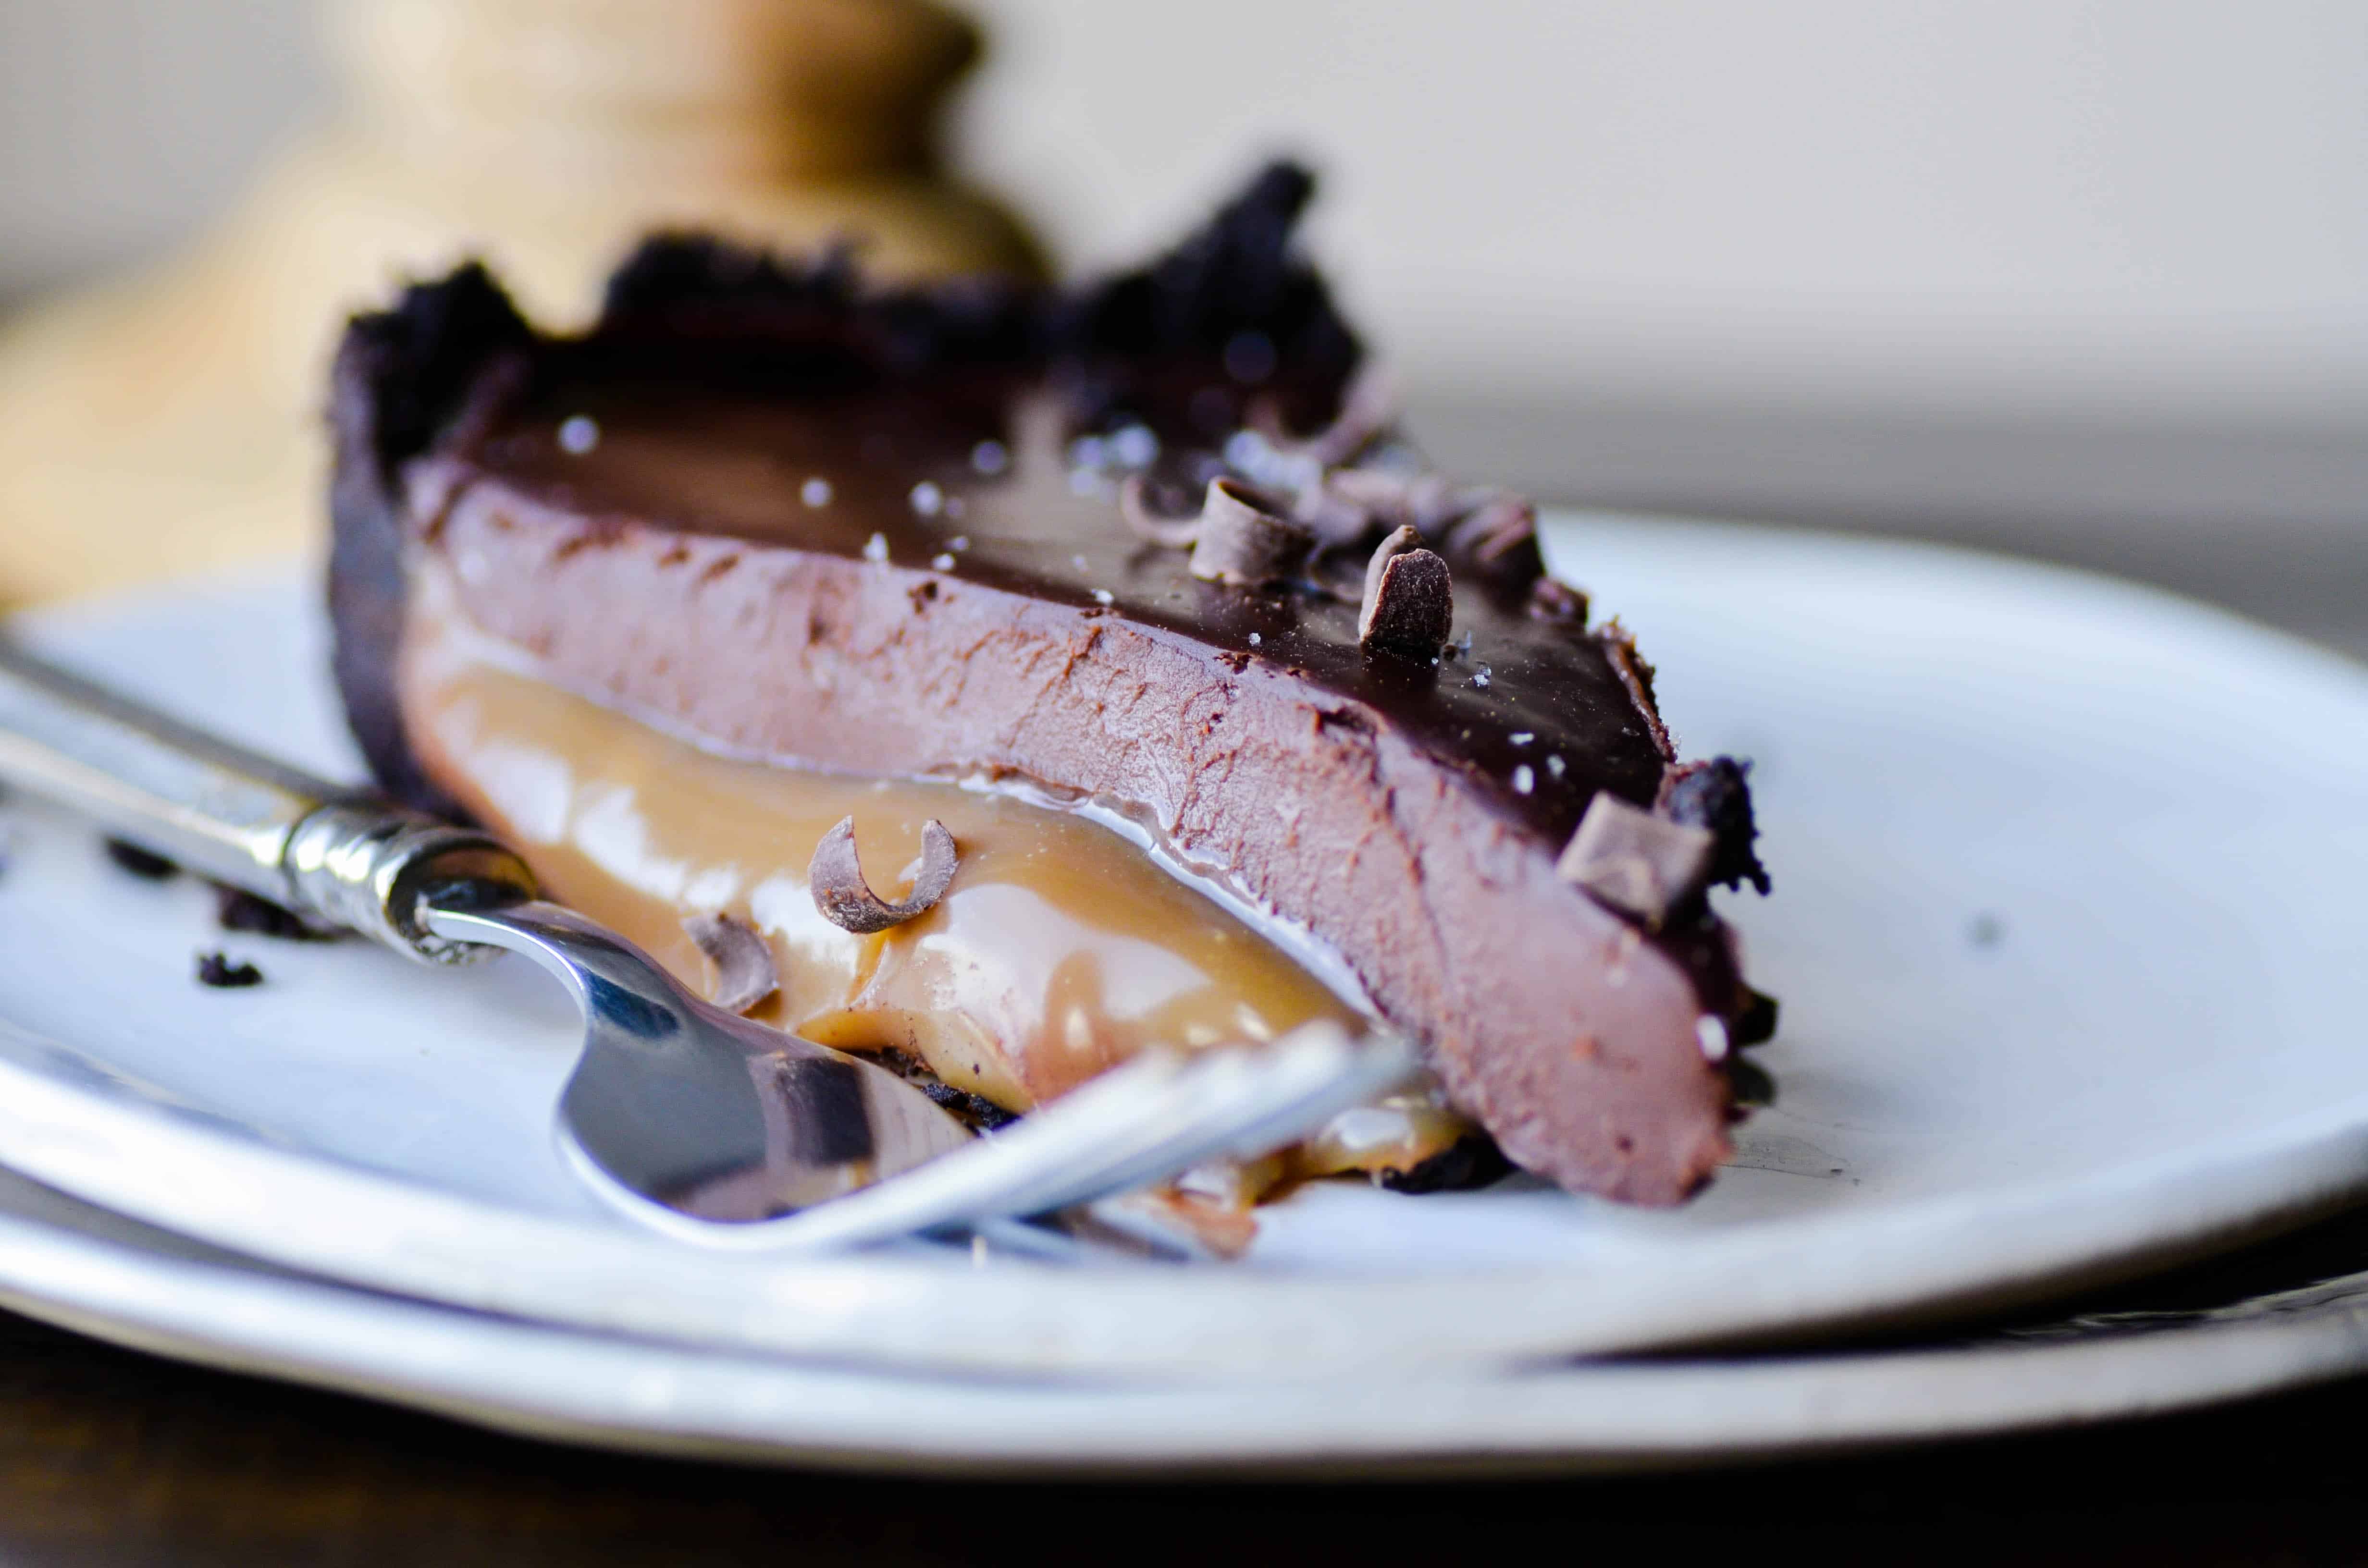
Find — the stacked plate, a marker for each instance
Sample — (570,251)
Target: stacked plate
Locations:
(2068,950)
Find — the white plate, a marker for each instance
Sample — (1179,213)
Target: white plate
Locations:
(93,1271)
(2063,928)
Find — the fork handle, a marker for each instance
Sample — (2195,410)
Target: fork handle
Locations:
(335,854)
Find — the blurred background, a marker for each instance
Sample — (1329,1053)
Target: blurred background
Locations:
(2082,278)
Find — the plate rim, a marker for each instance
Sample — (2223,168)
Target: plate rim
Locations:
(551,1383)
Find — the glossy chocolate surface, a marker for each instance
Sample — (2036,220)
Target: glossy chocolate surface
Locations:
(998,480)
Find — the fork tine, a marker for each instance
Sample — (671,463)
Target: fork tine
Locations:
(993,1178)
(1244,1102)
(1156,1116)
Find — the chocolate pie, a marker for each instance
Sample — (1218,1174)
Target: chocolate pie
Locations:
(1008,678)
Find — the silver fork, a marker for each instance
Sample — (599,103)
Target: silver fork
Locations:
(690,1120)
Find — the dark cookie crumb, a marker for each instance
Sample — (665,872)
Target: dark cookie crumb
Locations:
(982,1114)
(216,969)
(1756,1024)
(144,864)
(1753,1086)
(235,909)
(1473,1161)
(1716,795)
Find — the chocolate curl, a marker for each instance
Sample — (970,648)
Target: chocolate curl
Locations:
(1245,539)
(846,901)
(1151,528)
(1409,604)
(1552,599)
(744,974)
(1637,863)
(1337,520)
(1369,409)
(1427,501)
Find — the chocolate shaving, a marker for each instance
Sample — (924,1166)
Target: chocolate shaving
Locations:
(1620,647)
(1636,862)
(745,972)
(216,969)
(1409,604)
(848,902)
(1244,538)
(1717,796)
(1135,510)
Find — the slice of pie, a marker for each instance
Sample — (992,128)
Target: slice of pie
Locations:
(1233,715)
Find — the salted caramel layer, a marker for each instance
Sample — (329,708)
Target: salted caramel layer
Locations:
(1059,949)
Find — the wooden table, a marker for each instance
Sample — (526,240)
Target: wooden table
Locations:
(108,1456)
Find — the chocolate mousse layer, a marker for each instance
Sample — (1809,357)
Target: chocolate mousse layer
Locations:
(1124,545)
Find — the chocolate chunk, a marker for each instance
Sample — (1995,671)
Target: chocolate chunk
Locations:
(1245,538)
(235,909)
(744,972)
(1409,604)
(1717,795)
(216,969)
(1636,862)
(1152,528)
(142,863)
(848,902)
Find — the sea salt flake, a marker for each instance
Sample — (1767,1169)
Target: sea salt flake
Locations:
(814,493)
(1104,597)
(990,458)
(1712,1034)
(876,548)
(578,434)
(1255,639)
(1480,677)
(927,499)
(1522,737)
(1524,779)
(1555,766)
(941,563)
(958,543)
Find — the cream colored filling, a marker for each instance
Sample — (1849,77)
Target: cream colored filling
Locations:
(1061,948)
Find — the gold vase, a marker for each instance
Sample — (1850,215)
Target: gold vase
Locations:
(169,422)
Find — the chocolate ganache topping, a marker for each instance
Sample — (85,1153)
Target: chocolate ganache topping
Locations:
(1155,542)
